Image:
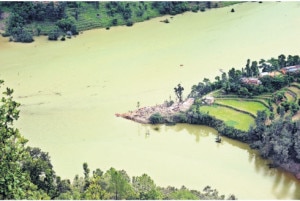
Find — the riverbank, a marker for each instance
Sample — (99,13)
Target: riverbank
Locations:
(75,17)
(142,115)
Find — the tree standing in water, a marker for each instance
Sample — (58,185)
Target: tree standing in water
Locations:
(178,92)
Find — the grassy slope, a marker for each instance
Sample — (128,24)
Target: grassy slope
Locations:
(249,106)
(295,90)
(229,116)
(243,121)
(91,17)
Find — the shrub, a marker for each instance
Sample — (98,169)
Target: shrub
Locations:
(156,118)
(65,24)
(195,9)
(180,118)
(53,33)
(5,34)
(129,23)
(38,30)
(22,35)
(114,22)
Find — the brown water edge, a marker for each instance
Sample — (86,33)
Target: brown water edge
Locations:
(103,72)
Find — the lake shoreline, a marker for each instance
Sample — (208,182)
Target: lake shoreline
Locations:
(142,115)
(104,72)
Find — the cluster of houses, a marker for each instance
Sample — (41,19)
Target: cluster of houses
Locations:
(290,69)
(256,81)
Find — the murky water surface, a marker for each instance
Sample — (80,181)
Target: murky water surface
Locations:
(71,90)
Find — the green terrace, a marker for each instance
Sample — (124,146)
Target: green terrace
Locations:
(231,117)
(248,106)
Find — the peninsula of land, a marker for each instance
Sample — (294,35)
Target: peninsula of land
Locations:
(142,115)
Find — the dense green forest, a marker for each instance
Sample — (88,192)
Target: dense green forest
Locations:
(59,20)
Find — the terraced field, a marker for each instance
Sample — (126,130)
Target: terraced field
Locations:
(248,106)
(295,90)
(240,112)
(289,96)
(230,117)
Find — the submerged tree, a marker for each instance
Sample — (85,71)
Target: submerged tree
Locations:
(178,91)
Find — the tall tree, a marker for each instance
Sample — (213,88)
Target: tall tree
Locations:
(281,60)
(146,188)
(41,170)
(178,91)
(118,184)
(86,171)
(254,68)
(248,69)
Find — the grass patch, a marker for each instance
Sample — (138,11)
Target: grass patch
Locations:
(289,97)
(230,117)
(248,106)
(295,90)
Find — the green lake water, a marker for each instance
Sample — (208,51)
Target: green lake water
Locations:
(70,92)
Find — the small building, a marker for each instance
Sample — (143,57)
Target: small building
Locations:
(251,80)
(263,74)
(208,100)
(290,69)
(271,74)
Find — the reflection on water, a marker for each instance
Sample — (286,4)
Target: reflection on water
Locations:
(71,90)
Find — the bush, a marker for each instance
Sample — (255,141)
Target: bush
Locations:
(180,118)
(53,33)
(38,30)
(22,35)
(5,34)
(65,24)
(129,23)
(156,118)
(195,9)
(114,22)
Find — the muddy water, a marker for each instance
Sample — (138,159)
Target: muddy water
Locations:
(71,90)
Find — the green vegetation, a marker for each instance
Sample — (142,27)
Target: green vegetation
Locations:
(28,19)
(259,113)
(156,118)
(229,116)
(273,98)
(278,142)
(178,92)
(248,106)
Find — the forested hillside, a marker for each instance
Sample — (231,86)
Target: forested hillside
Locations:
(58,20)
